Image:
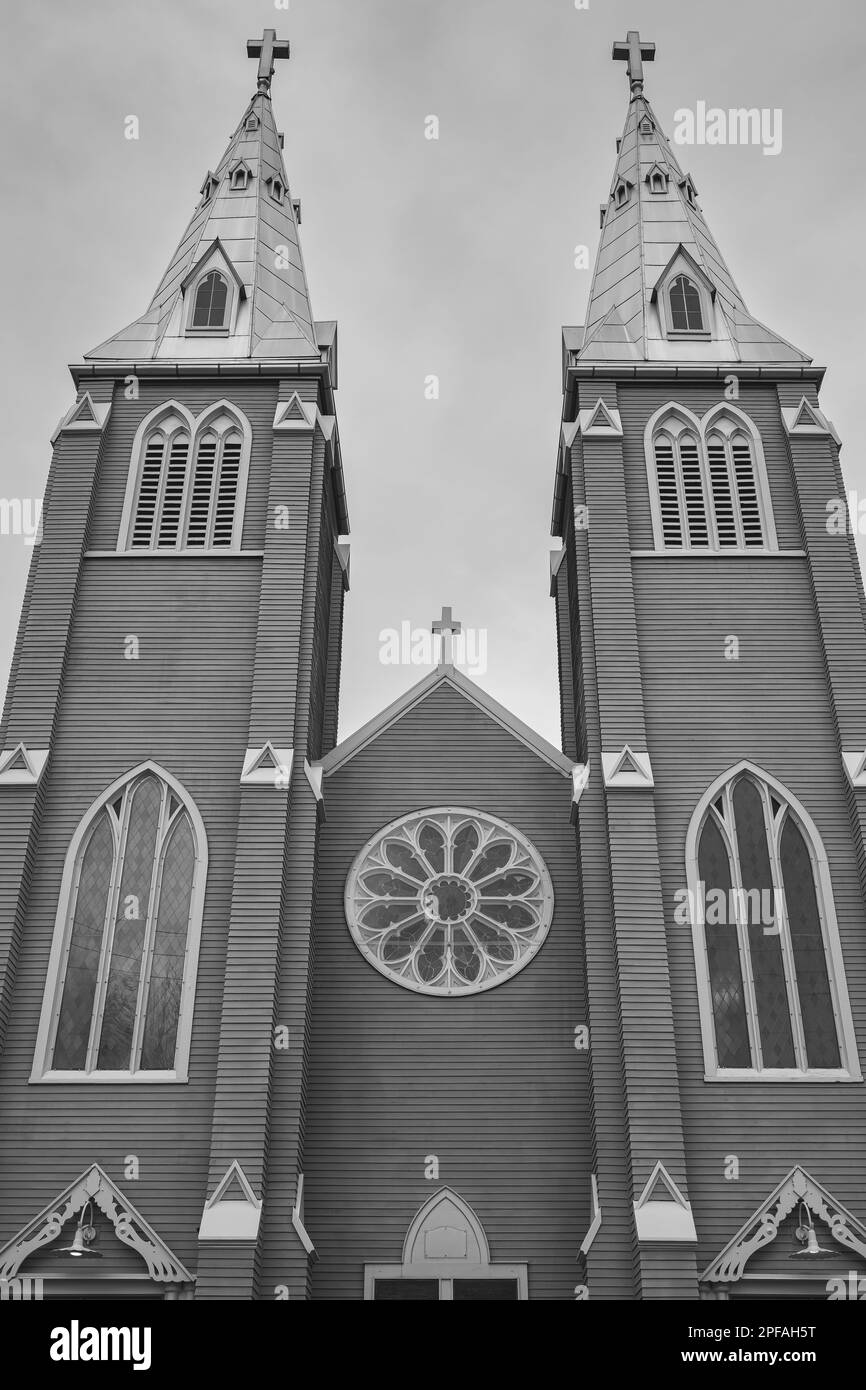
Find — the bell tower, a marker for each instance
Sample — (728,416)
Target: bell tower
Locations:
(710,626)
(179,657)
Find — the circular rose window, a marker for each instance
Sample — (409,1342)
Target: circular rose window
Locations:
(449,901)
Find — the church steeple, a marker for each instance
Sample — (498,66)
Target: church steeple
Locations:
(244,228)
(652,230)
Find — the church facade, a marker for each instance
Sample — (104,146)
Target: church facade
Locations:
(438,1011)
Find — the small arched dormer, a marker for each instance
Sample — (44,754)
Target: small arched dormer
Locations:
(770,974)
(657,179)
(684,299)
(122,971)
(187,482)
(707,481)
(276,188)
(239,175)
(209,187)
(212,291)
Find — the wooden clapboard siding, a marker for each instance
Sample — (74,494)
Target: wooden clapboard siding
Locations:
(489,1083)
(185,704)
(256,399)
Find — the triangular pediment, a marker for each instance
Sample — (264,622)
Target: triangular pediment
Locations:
(217,254)
(447,677)
(763,1226)
(682,260)
(94,1186)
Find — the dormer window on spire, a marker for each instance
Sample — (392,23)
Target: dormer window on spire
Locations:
(209,187)
(240,174)
(690,193)
(657,179)
(276,188)
(622,193)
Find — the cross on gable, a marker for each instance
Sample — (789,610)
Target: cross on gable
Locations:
(266,49)
(634,54)
(447,628)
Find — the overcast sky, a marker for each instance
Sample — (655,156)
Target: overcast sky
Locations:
(452,257)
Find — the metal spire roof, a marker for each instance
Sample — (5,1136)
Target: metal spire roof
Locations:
(645,227)
(256,234)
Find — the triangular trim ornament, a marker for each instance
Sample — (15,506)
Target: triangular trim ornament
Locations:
(129,1226)
(21,766)
(627,768)
(294,414)
(806,418)
(267,766)
(226,1218)
(669,1218)
(600,421)
(85,415)
(855,767)
(763,1226)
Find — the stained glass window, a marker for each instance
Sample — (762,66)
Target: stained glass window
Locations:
(772,992)
(126,934)
(449,901)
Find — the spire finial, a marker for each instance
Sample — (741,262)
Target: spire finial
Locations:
(448,629)
(266,49)
(632,52)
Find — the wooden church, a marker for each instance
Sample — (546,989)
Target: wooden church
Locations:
(439,1011)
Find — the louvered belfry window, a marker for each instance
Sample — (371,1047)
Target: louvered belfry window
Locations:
(707,489)
(183,504)
(766,935)
(119,992)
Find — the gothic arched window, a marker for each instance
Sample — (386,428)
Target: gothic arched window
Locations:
(771,980)
(211,301)
(187,498)
(121,981)
(707,479)
(449,901)
(685,300)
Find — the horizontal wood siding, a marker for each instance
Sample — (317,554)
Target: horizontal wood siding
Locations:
(704,714)
(492,1083)
(185,704)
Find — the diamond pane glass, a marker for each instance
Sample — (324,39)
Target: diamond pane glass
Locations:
(723,957)
(449,901)
(133,907)
(169,950)
(765,946)
(79,988)
(810,957)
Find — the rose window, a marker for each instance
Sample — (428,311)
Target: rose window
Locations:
(449,901)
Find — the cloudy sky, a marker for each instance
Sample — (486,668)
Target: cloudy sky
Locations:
(452,257)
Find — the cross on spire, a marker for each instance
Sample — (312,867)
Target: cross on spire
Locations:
(447,628)
(266,49)
(634,54)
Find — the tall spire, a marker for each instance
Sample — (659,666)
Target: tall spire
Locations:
(246,226)
(651,221)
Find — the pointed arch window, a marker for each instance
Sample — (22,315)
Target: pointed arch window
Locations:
(211,301)
(686,309)
(771,980)
(708,484)
(123,962)
(188,495)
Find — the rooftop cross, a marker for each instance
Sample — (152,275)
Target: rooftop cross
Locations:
(266,49)
(632,52)
(448,629)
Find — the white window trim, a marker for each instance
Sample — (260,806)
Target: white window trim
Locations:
(676,335)
(682,418)
(197,426)
(56,973)
(850,1069)
(448,1269)
(232,301)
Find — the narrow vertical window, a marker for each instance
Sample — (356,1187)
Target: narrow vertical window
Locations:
(211,299)
(685,301)
(679,479)
(127,935)
(769,965)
